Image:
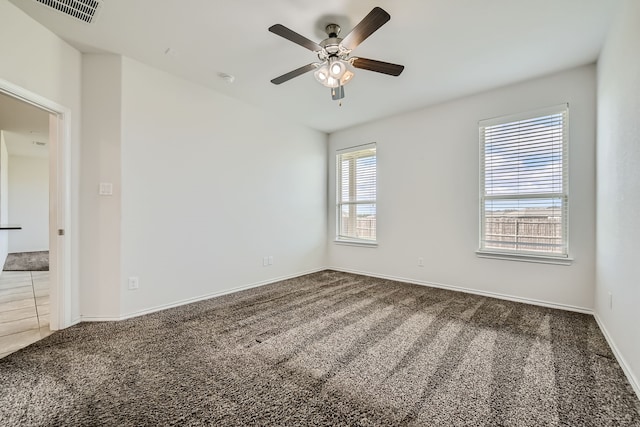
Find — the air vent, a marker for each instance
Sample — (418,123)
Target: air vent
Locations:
(84,10)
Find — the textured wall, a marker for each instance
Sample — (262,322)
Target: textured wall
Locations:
(29,203)
(618,269)
(428,194)
(210,186)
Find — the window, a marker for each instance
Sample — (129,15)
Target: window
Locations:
(523,184)
(356,194)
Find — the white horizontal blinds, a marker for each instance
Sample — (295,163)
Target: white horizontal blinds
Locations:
(356,204)
(524,183)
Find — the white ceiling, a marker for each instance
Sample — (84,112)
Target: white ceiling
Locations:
(25,127)
(450,48)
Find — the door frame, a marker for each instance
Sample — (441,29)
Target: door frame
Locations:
(61,295)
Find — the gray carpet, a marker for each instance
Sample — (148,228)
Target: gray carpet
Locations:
(326,349)
(27,261)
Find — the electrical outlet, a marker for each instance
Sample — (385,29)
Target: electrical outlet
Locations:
(265,261)
(420,262)
(134,283)
(270,259)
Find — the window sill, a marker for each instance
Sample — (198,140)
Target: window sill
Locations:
(357,243)
(525,258)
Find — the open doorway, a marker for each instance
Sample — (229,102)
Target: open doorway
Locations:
(25,279)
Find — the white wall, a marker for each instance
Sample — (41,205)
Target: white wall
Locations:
(618,166)
(35,59)
(290,224)
(29,203)
(209,187)
(4,199)
(204,188)
(100,215)
(428,195)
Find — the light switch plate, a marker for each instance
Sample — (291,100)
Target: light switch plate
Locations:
(106,189)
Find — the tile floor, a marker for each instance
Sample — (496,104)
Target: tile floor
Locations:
(24,309)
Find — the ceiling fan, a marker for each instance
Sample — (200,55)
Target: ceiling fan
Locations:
(336,67)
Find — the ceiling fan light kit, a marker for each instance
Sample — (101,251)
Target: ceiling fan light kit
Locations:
(333,73)
(336,67)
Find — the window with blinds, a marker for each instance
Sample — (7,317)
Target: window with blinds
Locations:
(356,194)
(524,183)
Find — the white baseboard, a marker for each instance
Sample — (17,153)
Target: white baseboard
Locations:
(531,301)
(99,318)
(73,322)
(195,299)
(621,361)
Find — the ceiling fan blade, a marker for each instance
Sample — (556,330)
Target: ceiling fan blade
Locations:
(370,23)
(295,73)
(377,66)
(291,35)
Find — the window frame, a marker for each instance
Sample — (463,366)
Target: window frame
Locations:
(347,240)
(561,258)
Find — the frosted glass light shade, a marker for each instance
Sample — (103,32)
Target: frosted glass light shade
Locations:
(333,73)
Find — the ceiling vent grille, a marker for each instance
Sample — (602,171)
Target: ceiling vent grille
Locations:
(84,10)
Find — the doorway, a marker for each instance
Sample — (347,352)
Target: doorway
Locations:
(33,160)
(24,219)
